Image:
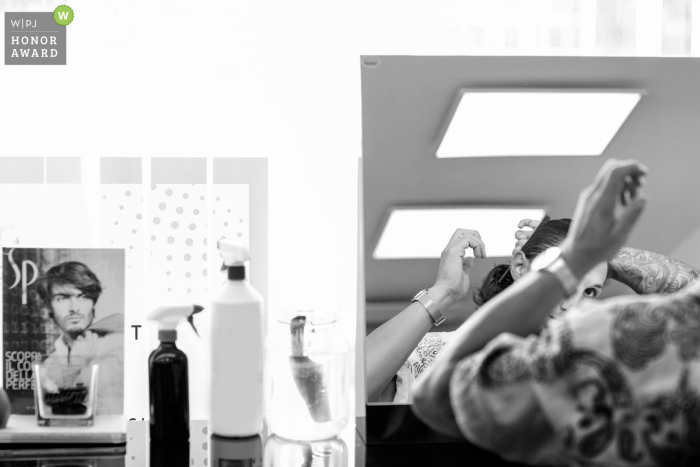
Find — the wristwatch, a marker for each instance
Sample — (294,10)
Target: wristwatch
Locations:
(553,262)
(429,305)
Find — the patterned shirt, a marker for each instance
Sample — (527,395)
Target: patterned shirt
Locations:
(613,383)
(420,359)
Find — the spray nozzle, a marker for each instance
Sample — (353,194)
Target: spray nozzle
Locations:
(232,254)
(190,319)
(168,317)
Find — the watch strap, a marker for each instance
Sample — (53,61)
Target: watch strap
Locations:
(566,277)
(424,299)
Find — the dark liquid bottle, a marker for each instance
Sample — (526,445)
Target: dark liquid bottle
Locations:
(170,455)
(169,394)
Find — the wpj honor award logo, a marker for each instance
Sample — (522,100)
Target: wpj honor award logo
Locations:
(37,38)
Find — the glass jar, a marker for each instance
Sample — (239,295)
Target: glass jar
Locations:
(305,376)
(66,394)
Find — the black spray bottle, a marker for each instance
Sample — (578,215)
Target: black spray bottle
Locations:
(167,378)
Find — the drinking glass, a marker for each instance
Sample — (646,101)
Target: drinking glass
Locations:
(65,394)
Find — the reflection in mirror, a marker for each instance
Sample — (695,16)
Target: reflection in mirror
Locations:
(408,104)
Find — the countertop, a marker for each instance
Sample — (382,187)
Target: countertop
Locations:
(348,449)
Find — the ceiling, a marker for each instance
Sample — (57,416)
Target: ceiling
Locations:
(405,105)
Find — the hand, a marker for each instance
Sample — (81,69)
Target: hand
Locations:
(524,235)
(454,269)
(85,345)
(605,214)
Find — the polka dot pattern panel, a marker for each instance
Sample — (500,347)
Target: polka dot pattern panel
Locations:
(230,213)
(176,259)
(138,444)
(121,222)
(122,225)
(198,441)
(229,205)
(137,441)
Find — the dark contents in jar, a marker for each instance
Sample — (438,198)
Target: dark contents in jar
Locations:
(68,401)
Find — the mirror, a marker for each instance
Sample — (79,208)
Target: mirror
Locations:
(407,105)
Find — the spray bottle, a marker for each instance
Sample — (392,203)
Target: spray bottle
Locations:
(236,350)
(167,377)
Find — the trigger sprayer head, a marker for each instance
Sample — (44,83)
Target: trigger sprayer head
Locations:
(190,319)
(168,317)
(232,254)
(234,257)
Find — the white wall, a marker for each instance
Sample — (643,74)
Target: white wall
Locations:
(689,250)
(171,79)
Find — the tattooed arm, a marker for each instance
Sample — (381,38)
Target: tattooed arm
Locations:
(646,272)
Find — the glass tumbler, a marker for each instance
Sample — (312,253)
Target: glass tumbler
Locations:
(305,376)
(65,394)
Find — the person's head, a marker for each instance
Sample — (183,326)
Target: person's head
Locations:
(69,291)
(590,287)
(549,233)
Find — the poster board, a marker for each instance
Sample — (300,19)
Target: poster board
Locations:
(58,302)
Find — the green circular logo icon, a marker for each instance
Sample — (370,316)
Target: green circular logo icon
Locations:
(63,15)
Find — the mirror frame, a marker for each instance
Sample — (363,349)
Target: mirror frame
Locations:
(379,423)
(395,423)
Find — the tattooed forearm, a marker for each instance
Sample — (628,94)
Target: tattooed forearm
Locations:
(646,272)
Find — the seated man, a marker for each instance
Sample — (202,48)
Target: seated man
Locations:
(614,382)
(70,292)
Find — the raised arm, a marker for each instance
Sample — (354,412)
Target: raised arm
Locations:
(390,345)
(604,216)
(646,272)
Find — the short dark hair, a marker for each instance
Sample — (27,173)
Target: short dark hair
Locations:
(548,234)
(69,273)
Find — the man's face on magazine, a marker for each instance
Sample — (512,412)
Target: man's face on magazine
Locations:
(72,310)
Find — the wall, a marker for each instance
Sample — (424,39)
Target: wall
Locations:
(688,250)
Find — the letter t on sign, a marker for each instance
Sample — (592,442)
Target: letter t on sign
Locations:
(136,330)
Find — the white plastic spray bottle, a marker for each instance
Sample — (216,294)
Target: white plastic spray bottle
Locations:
(236,350)
(167,377)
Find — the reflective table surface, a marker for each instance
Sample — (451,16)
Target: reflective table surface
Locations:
(261,450)
(348,449)
(202,450)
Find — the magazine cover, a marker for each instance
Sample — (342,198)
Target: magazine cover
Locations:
(60,306)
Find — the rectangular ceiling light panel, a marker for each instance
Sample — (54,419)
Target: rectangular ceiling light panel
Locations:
(424,233)
(551,123)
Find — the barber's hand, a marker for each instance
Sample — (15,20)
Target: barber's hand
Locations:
(605,214)
(524,235)
(454,269)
